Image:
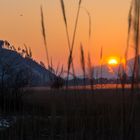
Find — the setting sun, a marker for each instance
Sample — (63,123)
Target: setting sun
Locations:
(112,61)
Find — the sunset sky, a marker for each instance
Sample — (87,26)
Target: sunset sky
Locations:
(20,23)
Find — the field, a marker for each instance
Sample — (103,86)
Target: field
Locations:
(105,114)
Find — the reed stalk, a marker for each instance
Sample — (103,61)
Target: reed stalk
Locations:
(101,57)
(91,72)
(89,19)
(73,39)
(82,60)
(134,26)
(129,29)
(44,35)
(67,34)
(135,76)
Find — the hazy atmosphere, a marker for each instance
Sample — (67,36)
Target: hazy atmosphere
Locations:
(20,23)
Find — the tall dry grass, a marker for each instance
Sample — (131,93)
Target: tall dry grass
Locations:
(82,60)
(89,21)
(67,34)
(135,29)
(44,34)
(71,45)
(74,115)
(101,65)
(91,72)
(130,18)
(73,39)
(133,26)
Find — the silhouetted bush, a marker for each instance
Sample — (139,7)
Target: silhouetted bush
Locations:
(57,83)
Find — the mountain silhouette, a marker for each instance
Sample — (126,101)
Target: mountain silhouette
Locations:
(16,69)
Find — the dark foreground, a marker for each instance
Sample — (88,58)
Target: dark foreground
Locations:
(106,114)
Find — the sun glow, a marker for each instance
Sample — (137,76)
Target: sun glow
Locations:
(113,61)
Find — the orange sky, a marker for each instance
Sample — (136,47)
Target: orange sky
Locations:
(109,27)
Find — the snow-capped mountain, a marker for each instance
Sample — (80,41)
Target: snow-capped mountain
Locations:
(16,69)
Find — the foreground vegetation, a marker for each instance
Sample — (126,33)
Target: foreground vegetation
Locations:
(73,114)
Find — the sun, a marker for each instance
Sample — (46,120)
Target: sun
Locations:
(113,61)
